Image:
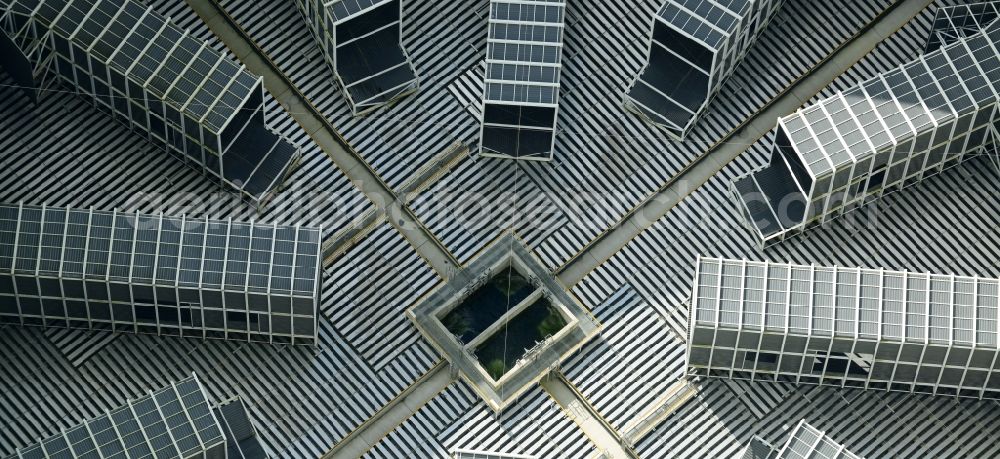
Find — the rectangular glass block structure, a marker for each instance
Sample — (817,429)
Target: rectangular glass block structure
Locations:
(521,88)
(241,436)
(953,23)
(174,422)
(137,273)
(154,77)
(848,327)
(362,42)
(695,45)
(884,134)
(807,442)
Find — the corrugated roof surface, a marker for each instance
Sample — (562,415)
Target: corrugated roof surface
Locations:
(303,400)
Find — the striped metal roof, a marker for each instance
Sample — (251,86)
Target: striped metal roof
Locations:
(304,401)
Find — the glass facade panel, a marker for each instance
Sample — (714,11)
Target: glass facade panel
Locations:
(145,70)
(902,330)
(362,43)
(197,263)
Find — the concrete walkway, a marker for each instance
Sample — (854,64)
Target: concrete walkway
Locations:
(406,404)
(708,164)
(600,433)
(326,136)
(343,240)
(672,399)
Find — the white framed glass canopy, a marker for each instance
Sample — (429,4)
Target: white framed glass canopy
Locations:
(849,327)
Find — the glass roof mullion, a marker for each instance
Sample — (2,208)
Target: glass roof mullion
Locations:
(270,274)
(899,106)
(38,253)
(920,100)
(204,82)
(86,253)
(391,25)
(215,101)
(819,145)
(124,39)
(225,267)
(201,264)
(142,429)
(295,257)
(106,29)
(836,133)
(920,105)
(994,85)
(857,122)
(258,83)
(142,52)
(696,16)
(937,84)
(184,73)
(166,427)
(352,14)
(960,78)
(62,253)
(246,280)
(118,435)
(131,266)
(72,35)
(159,66)
(211,412)
(156,267)
(187,414)
(975,318)
(878,115)
(93,438)
(17,237)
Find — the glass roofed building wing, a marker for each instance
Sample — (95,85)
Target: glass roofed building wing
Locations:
(156,78)
(886,133)
(136,273)
(694,47)
(521,89)
(853,327)
(806,442)
(953,23)
(174,422)
(362,42)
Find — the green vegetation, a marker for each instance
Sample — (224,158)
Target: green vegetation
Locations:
(501,351)
(511,283)
(487,304)
(552,323)
(496,368)
(458,323)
